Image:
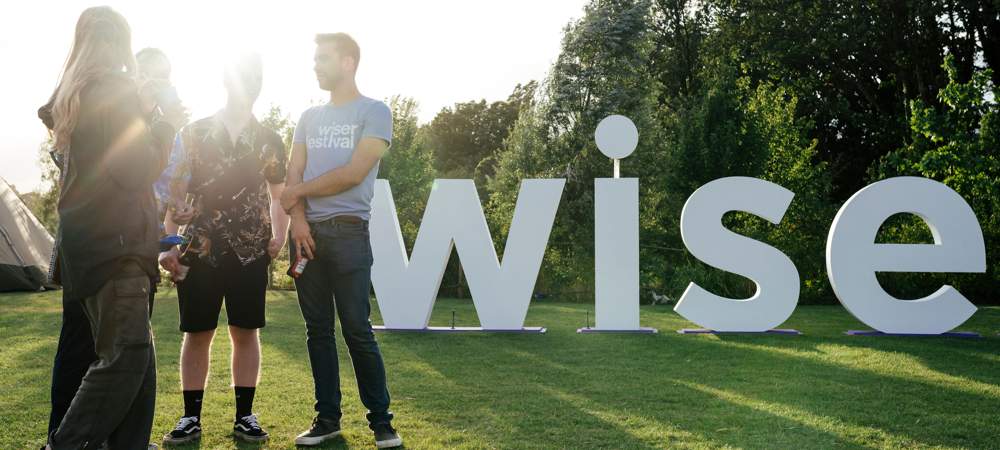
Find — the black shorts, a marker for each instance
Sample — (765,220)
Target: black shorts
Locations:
(243,288)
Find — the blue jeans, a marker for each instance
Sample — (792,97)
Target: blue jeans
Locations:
(339,281)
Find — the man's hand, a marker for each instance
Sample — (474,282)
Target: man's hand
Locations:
(170,261)
(147,94)
(182,214)
(274,247)
(289,198)
(302,238)
(175,114)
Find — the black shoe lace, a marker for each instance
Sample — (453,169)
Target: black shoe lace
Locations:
(251,420)
(185,422)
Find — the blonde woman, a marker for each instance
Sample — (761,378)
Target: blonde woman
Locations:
(107,241)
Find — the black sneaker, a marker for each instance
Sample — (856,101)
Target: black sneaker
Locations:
(321,431)
(386,436)
(187,430)
(247,429)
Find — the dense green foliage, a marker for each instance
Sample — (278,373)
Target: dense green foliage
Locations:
(959,145)
(821,97)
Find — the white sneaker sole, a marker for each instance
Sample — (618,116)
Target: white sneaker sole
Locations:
(390,443)
(175,441)
(315,440)
(248,438)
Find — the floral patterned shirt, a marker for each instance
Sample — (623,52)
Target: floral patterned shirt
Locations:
(230,186)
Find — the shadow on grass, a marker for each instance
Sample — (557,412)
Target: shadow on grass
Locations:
(819,390)
(476,385)
(799,386)
(827,402)
(968,359)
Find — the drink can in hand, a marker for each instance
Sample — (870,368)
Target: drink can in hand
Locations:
(298,267)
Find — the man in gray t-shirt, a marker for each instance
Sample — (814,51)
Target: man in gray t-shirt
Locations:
(329,189)
(331,134)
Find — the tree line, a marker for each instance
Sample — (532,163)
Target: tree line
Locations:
(821,97)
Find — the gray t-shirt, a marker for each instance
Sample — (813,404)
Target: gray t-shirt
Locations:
(331,133)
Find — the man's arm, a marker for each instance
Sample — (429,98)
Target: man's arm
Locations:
(301,234)
(279,219)
(170,259)
(338,180)
(169,226)
(178,174)
(293,178)
(180,213)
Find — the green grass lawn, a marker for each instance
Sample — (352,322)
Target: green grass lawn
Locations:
(563,390)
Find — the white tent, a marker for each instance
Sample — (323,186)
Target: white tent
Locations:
(25,245)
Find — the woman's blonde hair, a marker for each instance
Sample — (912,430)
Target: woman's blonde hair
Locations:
(102,44)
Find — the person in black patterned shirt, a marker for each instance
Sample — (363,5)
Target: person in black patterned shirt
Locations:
(234,168)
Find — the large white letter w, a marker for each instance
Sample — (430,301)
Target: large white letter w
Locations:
(406,287)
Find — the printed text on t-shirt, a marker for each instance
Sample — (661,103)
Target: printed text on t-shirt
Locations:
(335,137)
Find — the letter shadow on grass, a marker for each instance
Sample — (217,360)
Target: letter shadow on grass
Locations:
(699,385)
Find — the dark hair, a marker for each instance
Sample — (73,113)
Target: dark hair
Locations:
(346,45)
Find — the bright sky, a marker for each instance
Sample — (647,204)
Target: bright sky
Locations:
(437,51)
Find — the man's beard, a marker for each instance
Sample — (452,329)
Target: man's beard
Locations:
(330,81)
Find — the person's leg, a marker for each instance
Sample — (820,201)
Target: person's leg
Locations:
(245,292)
(195,352)
(199,301)
(119,320)
(246,356)
(140,415)
(73,357)
(315,294)
(352,284)
(245,367)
